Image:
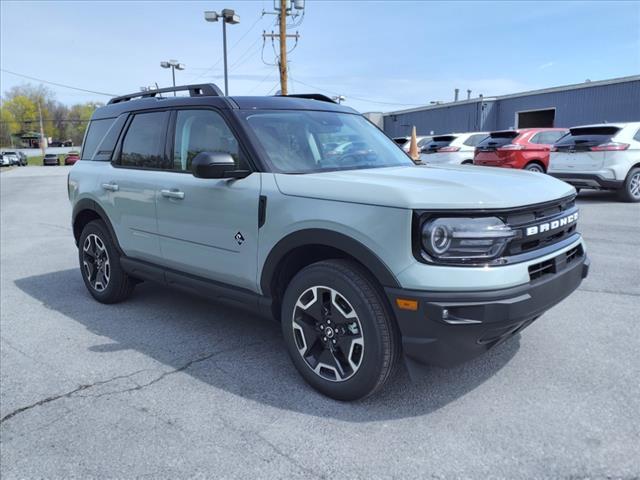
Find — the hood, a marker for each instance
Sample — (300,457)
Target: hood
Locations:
(428,187)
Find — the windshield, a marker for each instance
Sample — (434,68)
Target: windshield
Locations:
(310,141)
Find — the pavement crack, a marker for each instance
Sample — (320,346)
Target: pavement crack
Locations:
(174,371)
(68,394)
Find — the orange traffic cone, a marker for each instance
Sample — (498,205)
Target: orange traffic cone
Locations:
(413,148)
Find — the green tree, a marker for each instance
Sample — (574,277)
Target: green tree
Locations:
(24,111)
(8,127)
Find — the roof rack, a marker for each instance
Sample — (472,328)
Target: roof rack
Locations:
(311,96)
(200,90)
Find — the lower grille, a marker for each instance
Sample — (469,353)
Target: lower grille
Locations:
(555,264)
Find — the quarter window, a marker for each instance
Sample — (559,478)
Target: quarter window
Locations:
(636,137)
(547,138)
(143,144)
(202,131)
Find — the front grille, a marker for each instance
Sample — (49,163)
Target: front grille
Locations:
(555,264)
(538,216)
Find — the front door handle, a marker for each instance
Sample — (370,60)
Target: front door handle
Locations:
(172,194)
(112,187)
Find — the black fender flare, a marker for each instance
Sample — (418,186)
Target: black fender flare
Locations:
(328,238)
(91,205)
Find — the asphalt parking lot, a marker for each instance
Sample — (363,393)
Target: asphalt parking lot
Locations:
(167,385)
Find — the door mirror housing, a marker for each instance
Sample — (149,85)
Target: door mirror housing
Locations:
(216,165)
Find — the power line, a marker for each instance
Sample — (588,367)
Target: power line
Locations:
(58,84)
(357,98)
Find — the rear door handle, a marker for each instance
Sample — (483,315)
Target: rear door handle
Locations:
(172,194)
(112,187)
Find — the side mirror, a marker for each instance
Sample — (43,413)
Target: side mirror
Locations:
(216,165)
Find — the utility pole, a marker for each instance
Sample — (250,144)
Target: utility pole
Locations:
(43,142)
(283,47)
(283,9)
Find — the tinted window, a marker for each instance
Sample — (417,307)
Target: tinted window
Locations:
(108,144)
(202,131)
(423,142)
(143,144)
(636,137)
(95,133)
(583,138)
(474,140)
(497,139)
(547,138)
(438,142)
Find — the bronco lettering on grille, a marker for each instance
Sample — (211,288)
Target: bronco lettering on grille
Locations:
(549,226)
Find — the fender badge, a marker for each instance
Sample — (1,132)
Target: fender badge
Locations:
(239,238)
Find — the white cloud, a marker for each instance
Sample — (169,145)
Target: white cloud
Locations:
(546,65)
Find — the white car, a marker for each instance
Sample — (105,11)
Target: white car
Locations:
(4,160)
(405,142)
(604,157)
(453,148)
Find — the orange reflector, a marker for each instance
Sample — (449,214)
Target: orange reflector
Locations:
(406,304)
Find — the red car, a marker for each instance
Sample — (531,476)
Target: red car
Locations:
(526,148)
(71,158)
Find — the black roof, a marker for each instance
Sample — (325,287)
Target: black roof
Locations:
(148,100)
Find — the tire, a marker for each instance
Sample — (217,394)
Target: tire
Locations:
(356,359)
(630,191)
(534,167)
(109,284)
(467,162)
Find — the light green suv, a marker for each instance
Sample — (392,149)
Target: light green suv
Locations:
(303,211)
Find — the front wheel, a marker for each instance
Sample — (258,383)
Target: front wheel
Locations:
(100,265)
(630,191)
(338,330)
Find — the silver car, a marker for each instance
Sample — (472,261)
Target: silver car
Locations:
(362,256)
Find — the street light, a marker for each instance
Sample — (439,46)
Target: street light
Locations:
(228,16)
(173,65)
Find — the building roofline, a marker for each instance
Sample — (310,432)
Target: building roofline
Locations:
(563,88)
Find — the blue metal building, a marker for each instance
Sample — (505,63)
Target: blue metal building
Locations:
(615,100)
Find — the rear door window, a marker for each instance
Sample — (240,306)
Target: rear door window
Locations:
(581,139)
(143,145)
(438,142)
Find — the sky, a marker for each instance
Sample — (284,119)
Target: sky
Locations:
(382,56)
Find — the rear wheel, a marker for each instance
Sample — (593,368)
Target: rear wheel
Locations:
(534,167)
(630,191)
(100,265)
(338,330)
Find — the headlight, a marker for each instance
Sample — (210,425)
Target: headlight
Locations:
(461,240)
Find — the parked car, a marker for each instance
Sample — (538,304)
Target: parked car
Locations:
(362,258)
(71,158)
(454,148)
(4,160)
(12,157)
(526,148)
(50,159)
(405,142)
(16,157)
(605,156)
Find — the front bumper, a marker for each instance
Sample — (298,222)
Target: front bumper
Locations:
(449,328)
(587,180)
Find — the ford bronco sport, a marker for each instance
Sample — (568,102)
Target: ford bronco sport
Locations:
(363,256)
